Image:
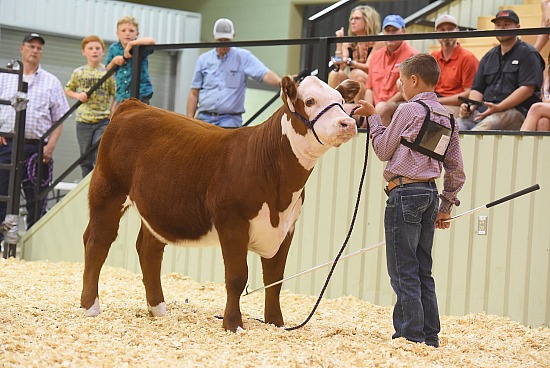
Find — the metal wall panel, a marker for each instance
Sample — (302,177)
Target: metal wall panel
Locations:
(506,272)
(84,17)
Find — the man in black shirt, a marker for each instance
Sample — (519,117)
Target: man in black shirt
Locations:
(508,81)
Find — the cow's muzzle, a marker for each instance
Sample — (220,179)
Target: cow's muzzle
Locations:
(310,123)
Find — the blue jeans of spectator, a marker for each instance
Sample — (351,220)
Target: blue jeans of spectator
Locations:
(88,135)
(28,188)
(223,120)
(409,221)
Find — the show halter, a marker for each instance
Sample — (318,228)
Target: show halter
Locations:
(310,123)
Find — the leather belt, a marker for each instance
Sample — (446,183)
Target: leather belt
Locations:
(28,141)
(212,113)
(403,180)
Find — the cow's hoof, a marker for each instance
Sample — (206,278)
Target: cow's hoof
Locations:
(158,311)
(94,310)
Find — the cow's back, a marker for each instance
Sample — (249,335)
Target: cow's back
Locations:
(184,175)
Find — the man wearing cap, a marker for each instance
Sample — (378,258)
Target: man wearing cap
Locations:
(508,82)
(46,105)
(458,66)
(219,81)
(381,87)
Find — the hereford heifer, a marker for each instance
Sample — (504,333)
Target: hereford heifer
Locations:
(193,182)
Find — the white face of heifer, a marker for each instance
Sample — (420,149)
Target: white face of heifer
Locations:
(312,101)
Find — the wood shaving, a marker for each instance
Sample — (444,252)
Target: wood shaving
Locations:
(42,325)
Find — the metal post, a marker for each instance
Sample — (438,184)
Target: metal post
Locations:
(11,222)
(137,54)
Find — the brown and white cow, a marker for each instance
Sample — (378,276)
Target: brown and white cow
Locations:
(194,182)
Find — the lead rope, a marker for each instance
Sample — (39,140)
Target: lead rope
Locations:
(347,237)
(31,164)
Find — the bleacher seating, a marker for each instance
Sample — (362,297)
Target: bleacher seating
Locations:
(529,15)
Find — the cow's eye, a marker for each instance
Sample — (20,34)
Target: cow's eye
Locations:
(310,102)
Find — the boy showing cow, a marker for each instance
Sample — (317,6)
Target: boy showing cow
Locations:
(421,140)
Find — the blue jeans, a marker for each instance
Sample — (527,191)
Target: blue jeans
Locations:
(88,135)
(411,211)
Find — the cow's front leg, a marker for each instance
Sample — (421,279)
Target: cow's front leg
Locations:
(151,251)
(234,250)
(273,269)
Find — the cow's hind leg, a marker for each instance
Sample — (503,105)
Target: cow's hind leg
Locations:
(273,271)
(105,213)
(150,251)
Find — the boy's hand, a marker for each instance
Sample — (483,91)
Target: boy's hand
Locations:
(440,222)
(128,49)
(366,109)
(119,60)
(82,97)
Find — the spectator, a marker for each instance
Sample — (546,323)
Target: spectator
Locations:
(127,31)
(219,81)
(92,116)
(538,117)
(458,66)
(508,81)
(542,39)
(381,86)
(364,21)
(46,105)
(415,159)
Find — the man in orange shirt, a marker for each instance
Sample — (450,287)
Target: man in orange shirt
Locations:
(381,87)
(458,66)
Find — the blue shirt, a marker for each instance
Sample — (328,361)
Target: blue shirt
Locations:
(222,81)
(123,75)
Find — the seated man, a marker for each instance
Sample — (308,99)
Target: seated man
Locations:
(508,81)
(458,66)
(381,87)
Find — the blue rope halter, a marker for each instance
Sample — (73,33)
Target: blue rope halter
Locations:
(310,123)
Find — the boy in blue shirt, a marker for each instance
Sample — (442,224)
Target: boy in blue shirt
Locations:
(119,54)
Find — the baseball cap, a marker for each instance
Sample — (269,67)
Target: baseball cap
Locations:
(506,14)
(393,20)
(445,18)
(223,28)
(33,36)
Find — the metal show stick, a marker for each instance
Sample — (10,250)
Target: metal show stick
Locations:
(530,189)
(362,250)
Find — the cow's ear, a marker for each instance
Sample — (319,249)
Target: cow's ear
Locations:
(289,92)
(348,89)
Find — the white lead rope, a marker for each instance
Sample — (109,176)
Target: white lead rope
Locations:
(362,250)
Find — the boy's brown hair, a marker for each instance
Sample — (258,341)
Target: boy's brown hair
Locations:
(128,19)
(92,38)
(424,66)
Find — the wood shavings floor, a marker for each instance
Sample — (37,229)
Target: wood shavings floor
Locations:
(41,325)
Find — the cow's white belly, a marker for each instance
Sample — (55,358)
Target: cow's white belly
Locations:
(264,239)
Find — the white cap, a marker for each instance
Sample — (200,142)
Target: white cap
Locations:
(223,28)
(445,18)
